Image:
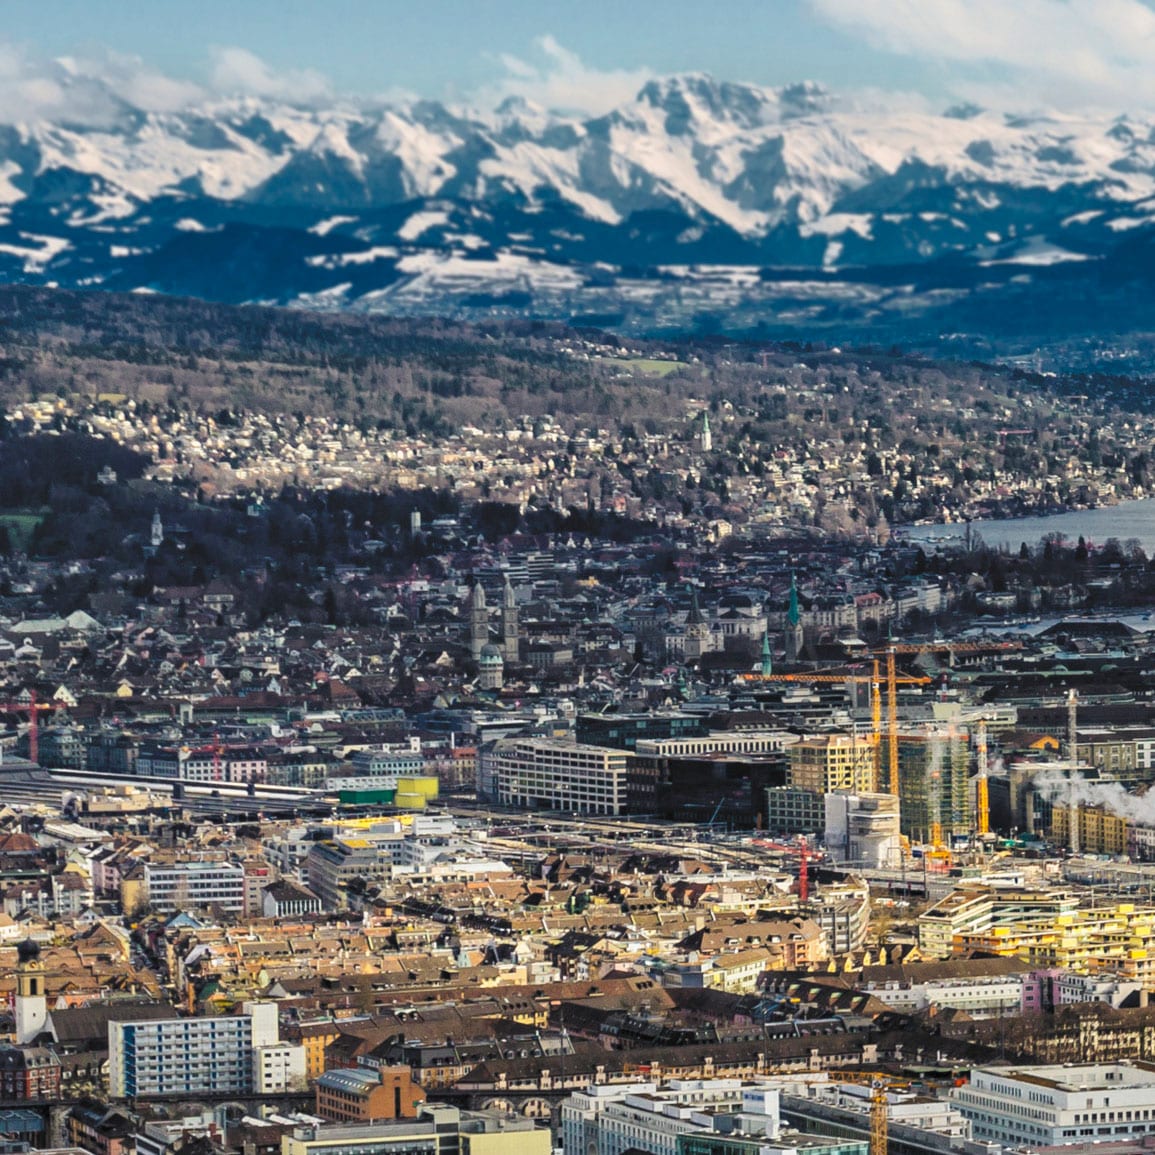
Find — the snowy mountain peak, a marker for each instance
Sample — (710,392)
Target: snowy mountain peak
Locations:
(419,201)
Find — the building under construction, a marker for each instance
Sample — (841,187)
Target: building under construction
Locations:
(934,784)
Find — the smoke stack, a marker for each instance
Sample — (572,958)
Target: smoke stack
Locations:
(1073,758)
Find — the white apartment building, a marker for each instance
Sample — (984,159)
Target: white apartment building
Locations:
(1097,988)
(279,1067)
(544,774)
(1049,1106)
(982,996)
(180,886)
(230,1054)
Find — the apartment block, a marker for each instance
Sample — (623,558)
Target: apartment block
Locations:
(177,886)
(543,774)
(193,1056)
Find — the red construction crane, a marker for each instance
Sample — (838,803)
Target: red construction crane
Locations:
(805,854)
(33,709)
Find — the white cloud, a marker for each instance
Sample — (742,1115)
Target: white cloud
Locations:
(130,79)
(1059,53)
(96,88)
(559,80)
(239,72)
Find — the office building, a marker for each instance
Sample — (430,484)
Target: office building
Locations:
(436,1130)
(832,762)
(177,886)
(544,774)
(1073,1105)
(332,865)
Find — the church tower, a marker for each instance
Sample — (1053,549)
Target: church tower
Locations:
(31,1001)
(697,632)
(767,658)
(510,627)
(794,633)
(478,621)
(156,532)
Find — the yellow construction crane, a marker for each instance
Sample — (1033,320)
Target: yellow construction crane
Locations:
(951,648)
(938,854)
(878,1104)
(892,723)
(982,788)
(893,681)
(948,648)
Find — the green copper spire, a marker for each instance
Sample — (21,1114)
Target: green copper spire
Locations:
(794,614)
(767,662)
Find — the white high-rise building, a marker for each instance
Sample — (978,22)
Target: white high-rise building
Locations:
(229,1054)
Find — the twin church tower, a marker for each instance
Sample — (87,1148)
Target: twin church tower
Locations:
(510,645)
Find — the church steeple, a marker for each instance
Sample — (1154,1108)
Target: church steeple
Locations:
(31,1009)
(478,621)
(510,627)
(697,632)
(767,659)
(794,633)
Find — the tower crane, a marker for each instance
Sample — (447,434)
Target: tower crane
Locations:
(879,1106)
(982,788)
(893,680)
(805,854)
(963,649)
(891,650)
(33,709)
(938,853)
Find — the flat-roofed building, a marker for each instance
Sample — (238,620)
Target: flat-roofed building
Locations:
(832,762)
(544,774)
(178,886)
(1073,1105)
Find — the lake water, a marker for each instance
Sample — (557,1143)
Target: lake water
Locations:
(1128,519)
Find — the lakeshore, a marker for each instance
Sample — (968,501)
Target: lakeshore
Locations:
(1127,520)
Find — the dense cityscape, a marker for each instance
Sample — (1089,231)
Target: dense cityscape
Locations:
(577,579)
(377,791)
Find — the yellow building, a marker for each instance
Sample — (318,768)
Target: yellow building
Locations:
(315,1037)
(1100,831)
(833,762)
(1117,939)
(974,914)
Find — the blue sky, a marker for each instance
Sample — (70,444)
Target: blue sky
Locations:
(589,53)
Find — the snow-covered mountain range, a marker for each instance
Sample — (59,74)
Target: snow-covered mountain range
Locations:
(699,203)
